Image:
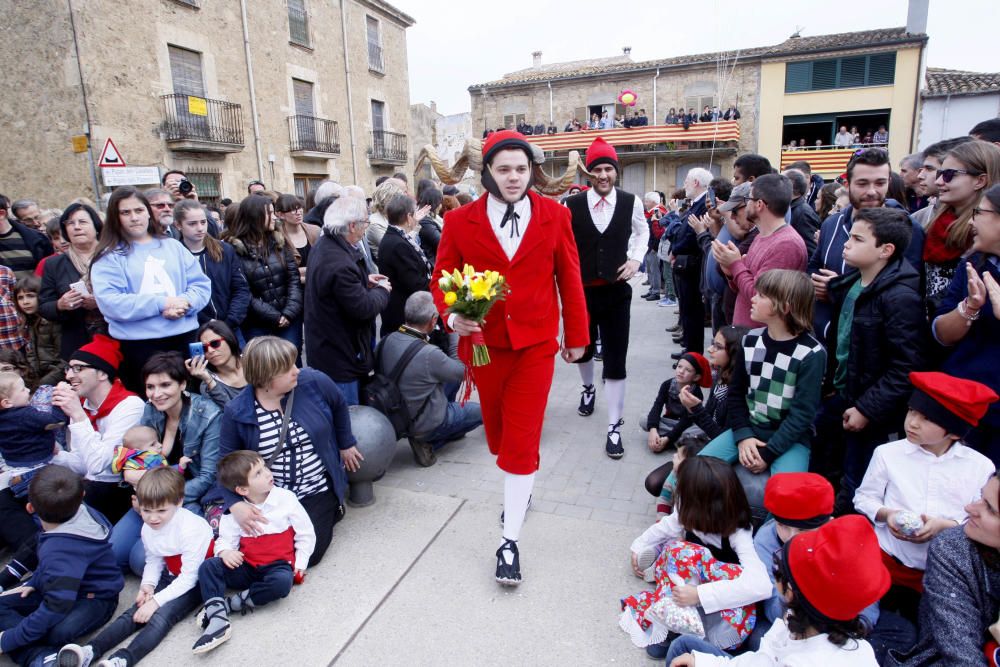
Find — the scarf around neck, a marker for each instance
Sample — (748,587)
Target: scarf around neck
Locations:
(117,394)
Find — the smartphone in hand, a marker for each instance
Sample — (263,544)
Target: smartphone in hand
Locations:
(713,202)
(196,350)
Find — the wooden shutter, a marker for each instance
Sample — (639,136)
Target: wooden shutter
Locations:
(303,93)
(881,69)
(378,116)
(298,22)
(185,71)
(852,72)
(824,74)
(798,77)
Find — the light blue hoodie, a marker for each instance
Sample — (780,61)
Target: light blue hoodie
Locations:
(131,288)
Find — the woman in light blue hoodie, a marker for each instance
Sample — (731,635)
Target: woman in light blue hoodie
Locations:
(148,286)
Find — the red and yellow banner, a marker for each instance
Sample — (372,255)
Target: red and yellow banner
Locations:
(827,162)
(727,130)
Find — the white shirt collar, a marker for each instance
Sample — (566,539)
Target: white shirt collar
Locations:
(611,198)
(956,450)
(497,207)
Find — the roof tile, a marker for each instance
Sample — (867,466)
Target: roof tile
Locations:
(941,82)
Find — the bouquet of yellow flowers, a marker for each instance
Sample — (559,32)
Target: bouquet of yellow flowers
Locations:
(471,294)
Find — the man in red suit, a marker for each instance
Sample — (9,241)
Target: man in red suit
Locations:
(528,239)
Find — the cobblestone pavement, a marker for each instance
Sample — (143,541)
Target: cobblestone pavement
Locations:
(576,478)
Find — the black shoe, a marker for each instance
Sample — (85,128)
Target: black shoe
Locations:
(525,512)
(613,446)
(651,297)
(423,453)
(508,575)
(587,399)
(677,338)
(598,356)
(677,355)
(675,328)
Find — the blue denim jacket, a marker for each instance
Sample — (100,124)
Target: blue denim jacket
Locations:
(199,428)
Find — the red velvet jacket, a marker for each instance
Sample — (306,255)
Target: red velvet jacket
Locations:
(530,314)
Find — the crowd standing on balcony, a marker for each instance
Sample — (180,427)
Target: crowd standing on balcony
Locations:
(854,358)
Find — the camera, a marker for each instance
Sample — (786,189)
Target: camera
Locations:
(185,187)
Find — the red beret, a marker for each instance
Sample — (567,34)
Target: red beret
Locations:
(799,499)
(601,152)
(954,404)
(701,365)
(838,567)
(505,139)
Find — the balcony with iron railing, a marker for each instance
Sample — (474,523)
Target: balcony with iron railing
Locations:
(387,147)
(376,61)
(699,140)
(311,137)
(201,125)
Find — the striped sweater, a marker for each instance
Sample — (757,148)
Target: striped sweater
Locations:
(775,390)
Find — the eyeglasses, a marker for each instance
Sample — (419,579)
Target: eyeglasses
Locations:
(947,174)
(78,368)
(976,212)
(162,204)
(215,344)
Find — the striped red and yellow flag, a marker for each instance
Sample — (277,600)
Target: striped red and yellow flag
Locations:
(727,130)
(827,162)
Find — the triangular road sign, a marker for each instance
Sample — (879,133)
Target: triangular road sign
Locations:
(110,157)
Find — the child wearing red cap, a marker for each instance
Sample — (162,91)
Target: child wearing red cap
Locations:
(691,375)
(708,544)
(919,486)
(825,577)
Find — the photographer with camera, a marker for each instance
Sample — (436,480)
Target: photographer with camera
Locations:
(177,184)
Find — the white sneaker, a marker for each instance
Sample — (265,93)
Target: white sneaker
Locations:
(646,560)
(113,662)
(74,655)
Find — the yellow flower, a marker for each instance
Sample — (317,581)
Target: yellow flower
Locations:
(450,298)
(456,278)
(468,270)
(480,289)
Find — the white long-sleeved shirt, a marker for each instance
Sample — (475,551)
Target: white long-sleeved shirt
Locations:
(282,510)
(602,214)
(186,535)
(905,476)
(495,209)
(91,450)
(751,586)
(779,649)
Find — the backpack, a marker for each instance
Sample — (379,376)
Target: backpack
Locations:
(382,391)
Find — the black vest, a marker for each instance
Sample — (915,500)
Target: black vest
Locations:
(601,254)
(725,553)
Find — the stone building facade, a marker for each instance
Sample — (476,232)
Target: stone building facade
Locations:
(289,93)
(446,133)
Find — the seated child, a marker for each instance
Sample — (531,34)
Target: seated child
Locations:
(176,542)
(27,434)
(74,589)
(825,577)
(706,543)
(141,450)
(692,373)
(260,566)
(930,475)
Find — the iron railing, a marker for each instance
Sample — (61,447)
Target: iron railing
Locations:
(308,133)
(387,146)
(376,62)
(189,118)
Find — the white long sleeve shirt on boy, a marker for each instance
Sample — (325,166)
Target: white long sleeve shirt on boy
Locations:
(181,546)
(905,476)
(751,586)
(288,534)
(778,647)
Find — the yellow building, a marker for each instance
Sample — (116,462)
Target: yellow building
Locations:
(827,83)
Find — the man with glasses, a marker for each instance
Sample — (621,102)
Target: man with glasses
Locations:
(21,248)
(28,213)
(162,203)
(868,174)
(777,246)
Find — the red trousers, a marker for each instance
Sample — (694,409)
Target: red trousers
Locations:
(902,575)
(513,392)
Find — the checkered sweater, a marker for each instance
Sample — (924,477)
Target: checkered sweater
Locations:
(775,390)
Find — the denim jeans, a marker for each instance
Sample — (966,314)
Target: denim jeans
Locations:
(83,618)
(458,420)
(149,634)
(689,643)
(349,390)
(126,543)
(653,271)
(292,333)
(267,583)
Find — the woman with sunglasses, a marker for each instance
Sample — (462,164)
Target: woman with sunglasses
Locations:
(221,369)
(968,320)
(966,171)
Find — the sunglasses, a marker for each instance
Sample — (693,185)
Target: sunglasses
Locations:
(947,174)
(215,344)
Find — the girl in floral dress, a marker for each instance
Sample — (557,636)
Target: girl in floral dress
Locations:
(702,558)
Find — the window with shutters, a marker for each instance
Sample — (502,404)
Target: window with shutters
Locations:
(207,183)
(298,22)
(305,116)
(376,58)
(878,69)
(512,120)
(185,71)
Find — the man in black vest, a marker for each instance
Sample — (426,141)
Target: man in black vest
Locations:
(611,234)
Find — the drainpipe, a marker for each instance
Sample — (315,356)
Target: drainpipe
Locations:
(552,118)
(86,108)
(655,116)
(253,93)
(350,100)
(944,115)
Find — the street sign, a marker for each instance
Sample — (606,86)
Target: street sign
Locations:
(110,157)
(130,176)
(80,143)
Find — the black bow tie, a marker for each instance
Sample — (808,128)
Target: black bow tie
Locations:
(513,218)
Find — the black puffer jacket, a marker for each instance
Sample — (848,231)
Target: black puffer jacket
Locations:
(273,277)
(889,337)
